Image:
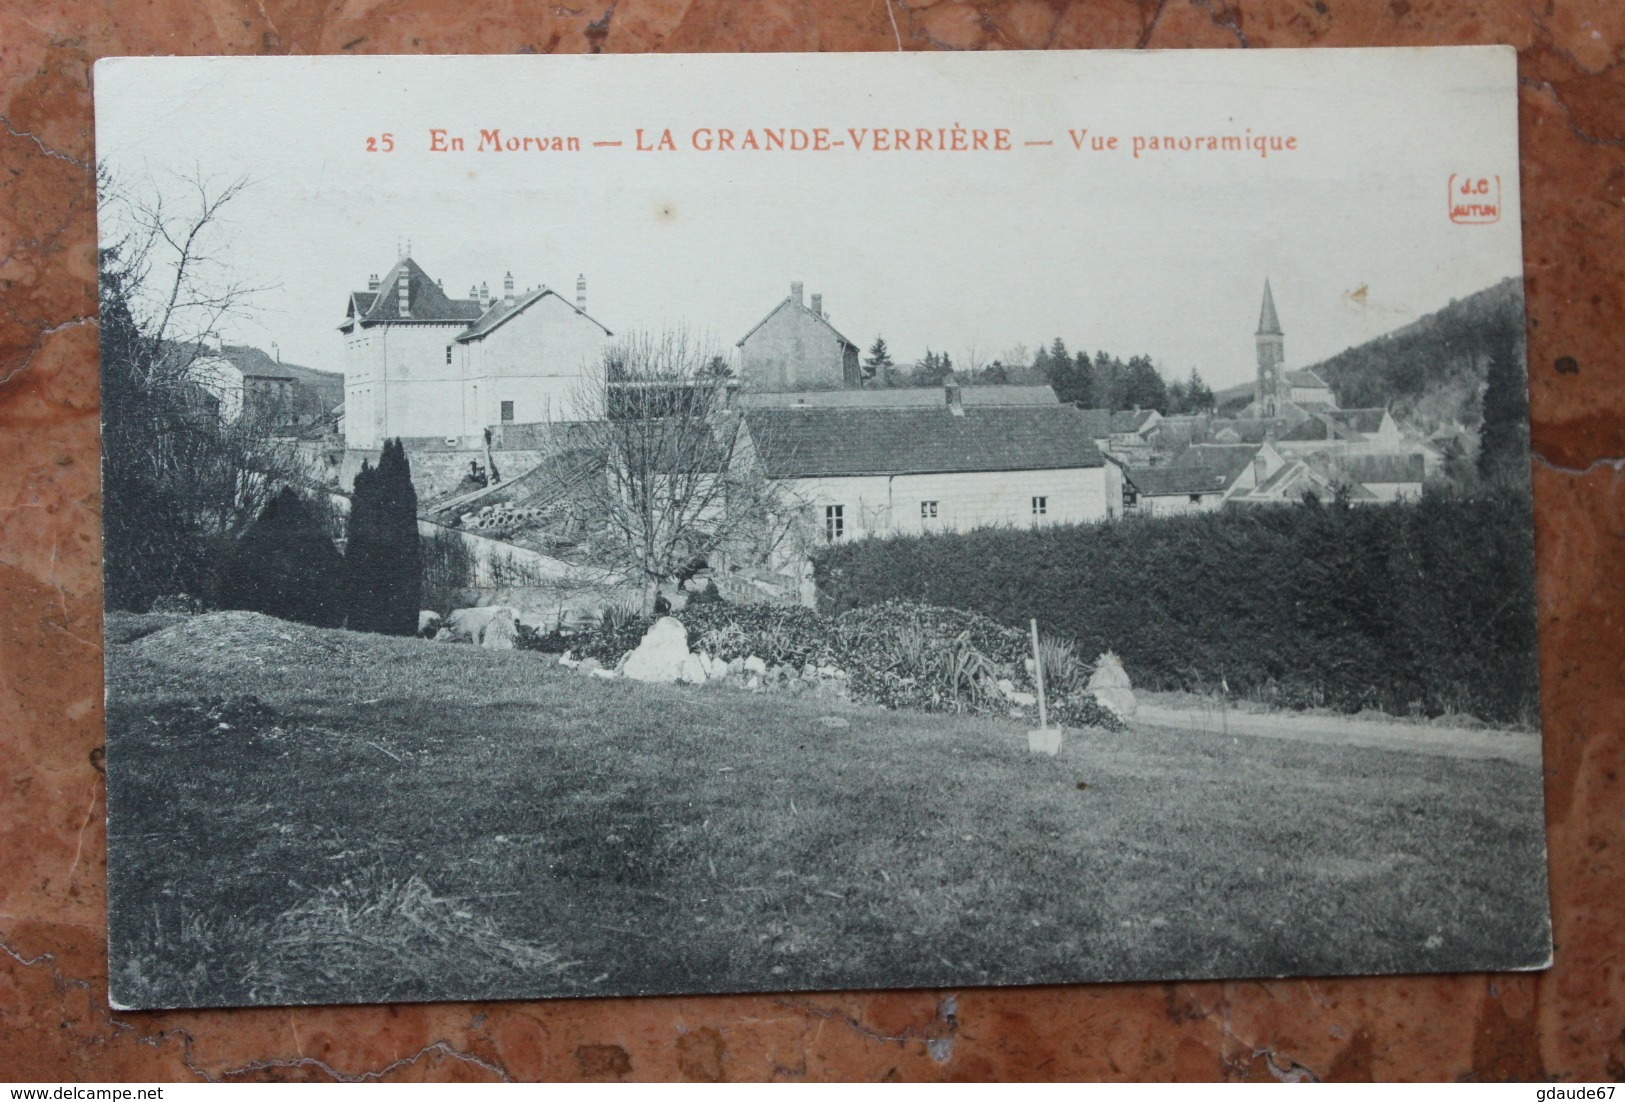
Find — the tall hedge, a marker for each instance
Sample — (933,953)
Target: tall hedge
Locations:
(1424,606)
(383,556)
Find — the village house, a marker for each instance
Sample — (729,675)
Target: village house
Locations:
(950,467)
(795,348)
(1203,478)
(424,366)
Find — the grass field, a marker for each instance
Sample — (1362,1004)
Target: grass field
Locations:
(318,816)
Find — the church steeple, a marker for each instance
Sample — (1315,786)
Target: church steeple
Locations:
(1273,390)
(1268,323)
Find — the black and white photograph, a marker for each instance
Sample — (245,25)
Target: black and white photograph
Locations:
(608,526)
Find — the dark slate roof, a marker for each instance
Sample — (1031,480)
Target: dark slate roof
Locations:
(791,302)
(1382,468)
(1360,420)
(1175,481)
(899,397)
(1131,420)
(1096,422)
(1268,323)
(500,313)
(805,443)
(428,302)
(1250,430)
(1225,460)
(1306,378)
(1312,429)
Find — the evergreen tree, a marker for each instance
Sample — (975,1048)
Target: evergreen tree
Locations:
(285,565)
(1503,437)
(384,559)
(1041,363)
(931,369)
(995,373)
(1144,387)
(1108,382)
(877,366)
(1198,395)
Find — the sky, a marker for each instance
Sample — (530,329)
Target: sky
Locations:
(972,252)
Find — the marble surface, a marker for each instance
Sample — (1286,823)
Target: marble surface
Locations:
(1565,1024)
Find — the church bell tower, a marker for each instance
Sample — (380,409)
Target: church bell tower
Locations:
(1273,390)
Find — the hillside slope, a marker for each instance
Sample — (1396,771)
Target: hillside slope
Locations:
(1430,372)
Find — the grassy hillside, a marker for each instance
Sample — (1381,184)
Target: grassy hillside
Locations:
(378,819)
(1430,372)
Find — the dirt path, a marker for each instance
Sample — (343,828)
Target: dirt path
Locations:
(1456,742)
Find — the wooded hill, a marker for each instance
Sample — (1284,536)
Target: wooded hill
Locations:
(1432,371)
(1428,373)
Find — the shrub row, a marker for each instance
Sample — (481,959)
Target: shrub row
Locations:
(1416,607)
(898,654)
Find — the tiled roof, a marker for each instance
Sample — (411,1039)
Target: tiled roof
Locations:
(900,397)
(804,443)
(1306,378)
(500,313)
(1226,460)
(791,302)
(1360,420)
(1382,468)
(1250,430)
(1174,481)
(1131,420)
(427,302)
(1096,422)
(1310,430)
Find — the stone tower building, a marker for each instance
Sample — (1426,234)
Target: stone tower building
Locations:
(1274,391)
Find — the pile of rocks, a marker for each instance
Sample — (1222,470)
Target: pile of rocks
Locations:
(663,657)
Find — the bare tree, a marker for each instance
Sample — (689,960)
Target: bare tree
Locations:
(659,473)
(186,466)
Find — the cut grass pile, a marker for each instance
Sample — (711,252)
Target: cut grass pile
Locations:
(298,815)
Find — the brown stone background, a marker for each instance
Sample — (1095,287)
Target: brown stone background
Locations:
(1566,1024)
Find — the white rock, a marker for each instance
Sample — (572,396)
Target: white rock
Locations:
(493,626)
(754,684)
(693,670)
(568,660)
(755,665)
(661,654)
(1023,700)
(1007,687)
(1111,687)
(608,675)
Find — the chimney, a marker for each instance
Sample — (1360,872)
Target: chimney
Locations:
(1258,468)
(818,305)
(372,282)
(485,296)
(795,292)
(507,290)
(473,292)
(581,292)
(403,292)
(950,392)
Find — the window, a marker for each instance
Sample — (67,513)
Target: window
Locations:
(1040,506)
(507,411)
(928,510)
(448,353)
(1131,496)
(1196,499)
(834,522)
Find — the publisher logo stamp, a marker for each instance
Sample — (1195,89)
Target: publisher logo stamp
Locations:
(1474,200)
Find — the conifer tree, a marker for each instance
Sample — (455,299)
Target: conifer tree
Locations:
(285,565)
(384,559)
(1503,448)
(877,367)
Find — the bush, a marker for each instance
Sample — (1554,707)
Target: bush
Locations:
(285,566)
(1424,606)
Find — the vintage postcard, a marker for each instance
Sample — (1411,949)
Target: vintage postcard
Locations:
(621,525)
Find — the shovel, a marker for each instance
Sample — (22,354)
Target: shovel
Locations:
(1046,739)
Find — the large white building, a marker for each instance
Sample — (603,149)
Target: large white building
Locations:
(950,467)
(422,365)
